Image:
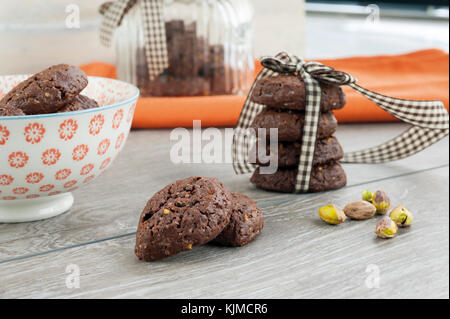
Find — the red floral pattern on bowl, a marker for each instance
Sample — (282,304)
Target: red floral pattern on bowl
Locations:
(48,155)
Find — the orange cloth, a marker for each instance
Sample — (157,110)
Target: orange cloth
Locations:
(418,75)
(421,75)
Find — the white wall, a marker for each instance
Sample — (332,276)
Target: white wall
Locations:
(280,26)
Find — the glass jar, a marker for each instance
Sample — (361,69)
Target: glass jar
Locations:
(209,44)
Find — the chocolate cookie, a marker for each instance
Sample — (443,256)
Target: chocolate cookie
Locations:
(182,48)
(47,91)
(10,111)
(327,150)
(166,85)
(290,124)
(79,103)
(183,215)
(323,178)
(289,92)
(246,222)
(196,68)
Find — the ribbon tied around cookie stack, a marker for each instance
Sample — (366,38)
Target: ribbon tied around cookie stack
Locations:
(429,119)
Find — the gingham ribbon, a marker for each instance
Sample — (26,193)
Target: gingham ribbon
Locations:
(429,119)
(154,30)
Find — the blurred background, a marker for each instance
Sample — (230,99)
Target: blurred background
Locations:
(34,33)
(377,27)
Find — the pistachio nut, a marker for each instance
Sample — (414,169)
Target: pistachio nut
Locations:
(381,201)
(386,228)
(360,210)
(332,214)
(367,196)
(402,216)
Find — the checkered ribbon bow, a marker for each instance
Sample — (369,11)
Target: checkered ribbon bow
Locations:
(153,25)
(429,119)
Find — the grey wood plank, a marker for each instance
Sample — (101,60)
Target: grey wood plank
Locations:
(111,205)
(296,256)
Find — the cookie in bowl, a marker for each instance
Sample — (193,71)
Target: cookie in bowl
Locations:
(79,103)
(47,91)
(10,111)
(45,157)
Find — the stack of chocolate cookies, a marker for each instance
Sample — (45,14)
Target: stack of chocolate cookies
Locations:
(285,100)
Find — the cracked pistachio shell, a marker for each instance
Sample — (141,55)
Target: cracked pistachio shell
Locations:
(332,214)
(367,196)
(386,228)
(381,201)
(402,216)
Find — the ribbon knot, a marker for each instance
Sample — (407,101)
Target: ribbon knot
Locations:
(279,66)
(326,74)
(318,71)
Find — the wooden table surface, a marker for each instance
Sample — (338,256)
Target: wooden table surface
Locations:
(296,256)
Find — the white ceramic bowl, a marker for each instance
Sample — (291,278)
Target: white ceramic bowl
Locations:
(45,157)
